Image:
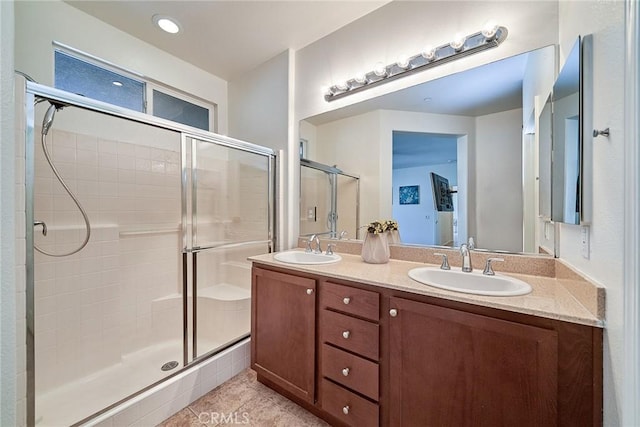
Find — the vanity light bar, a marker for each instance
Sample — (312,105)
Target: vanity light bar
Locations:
(458,48)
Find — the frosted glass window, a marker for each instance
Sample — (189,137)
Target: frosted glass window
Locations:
(86,79)
(176,109)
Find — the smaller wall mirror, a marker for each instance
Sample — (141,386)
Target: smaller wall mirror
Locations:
(568,167)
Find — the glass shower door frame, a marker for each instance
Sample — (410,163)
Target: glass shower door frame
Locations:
(190,229)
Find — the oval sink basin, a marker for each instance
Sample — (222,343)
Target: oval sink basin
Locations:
(300,257)
(470,283)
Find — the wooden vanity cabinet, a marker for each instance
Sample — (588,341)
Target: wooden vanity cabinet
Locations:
(451,364)
(415,360)
(283,331)
(448,367)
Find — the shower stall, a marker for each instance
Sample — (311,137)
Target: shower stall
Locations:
(329,200)
(163,281)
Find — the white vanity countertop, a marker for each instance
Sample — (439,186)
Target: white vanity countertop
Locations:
(549,298)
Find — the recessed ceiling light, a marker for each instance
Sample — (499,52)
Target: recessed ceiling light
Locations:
(166,23)
(117,83)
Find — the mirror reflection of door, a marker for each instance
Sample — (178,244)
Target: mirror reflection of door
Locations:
(415,156)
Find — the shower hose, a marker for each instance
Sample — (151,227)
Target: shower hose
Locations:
(46,124)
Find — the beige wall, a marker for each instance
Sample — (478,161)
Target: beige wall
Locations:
(260,104)
(605,21)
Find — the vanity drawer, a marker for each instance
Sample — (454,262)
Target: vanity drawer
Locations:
(350,300)
(349,333)
(347,406)
(350,370)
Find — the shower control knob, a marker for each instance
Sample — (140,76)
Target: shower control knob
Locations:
(345,372)
(346,300)
(393,312)
(309,291)
(346,335)
(345,410)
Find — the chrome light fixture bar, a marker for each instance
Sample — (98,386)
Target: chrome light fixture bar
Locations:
(491,36)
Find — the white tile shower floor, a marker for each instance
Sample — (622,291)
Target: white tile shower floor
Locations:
(76,400)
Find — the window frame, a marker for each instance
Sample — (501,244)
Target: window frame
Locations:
(149,83)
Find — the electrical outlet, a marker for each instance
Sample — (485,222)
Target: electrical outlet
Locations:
(584,236)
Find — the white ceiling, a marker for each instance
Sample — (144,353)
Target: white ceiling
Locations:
(412,149)
(228,38)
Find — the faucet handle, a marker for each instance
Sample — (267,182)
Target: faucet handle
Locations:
(488,271)
(308,248)
(472,244)
(445,261)
(330,248)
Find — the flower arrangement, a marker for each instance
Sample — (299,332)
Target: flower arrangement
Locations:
(377,227)
(380,226)
(391,224)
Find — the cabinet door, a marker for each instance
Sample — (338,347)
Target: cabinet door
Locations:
(283,331)
(452,368)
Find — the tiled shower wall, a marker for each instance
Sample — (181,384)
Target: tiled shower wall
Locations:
(97,305)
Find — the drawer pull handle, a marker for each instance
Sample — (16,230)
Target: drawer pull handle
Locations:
(345,372)
(346,300)
(345,410)
(393,312)
(346,335)
(309,291)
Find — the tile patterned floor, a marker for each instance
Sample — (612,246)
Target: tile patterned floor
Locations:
(243,401)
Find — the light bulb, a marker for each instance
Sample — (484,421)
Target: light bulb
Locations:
(458,42)
(429,53)
(360,78)
(380,70)
(166,23)
(342,85)
(403,62)
(489,29)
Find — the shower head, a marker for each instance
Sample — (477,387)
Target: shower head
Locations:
(48,116)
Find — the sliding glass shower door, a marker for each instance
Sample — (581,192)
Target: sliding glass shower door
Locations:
(230,217)
(161,279)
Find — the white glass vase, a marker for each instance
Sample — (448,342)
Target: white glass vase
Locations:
(393,237)
(375,249)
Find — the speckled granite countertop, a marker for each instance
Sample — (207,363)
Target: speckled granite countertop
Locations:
(552,297)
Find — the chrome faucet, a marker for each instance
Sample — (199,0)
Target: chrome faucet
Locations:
(316,239)
(445,261)
(309,243)
(466,258)
(488,271)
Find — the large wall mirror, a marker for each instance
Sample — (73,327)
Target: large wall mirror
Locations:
(463,132)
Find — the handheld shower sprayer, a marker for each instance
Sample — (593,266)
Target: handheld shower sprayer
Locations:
(47,122)
(48,118)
